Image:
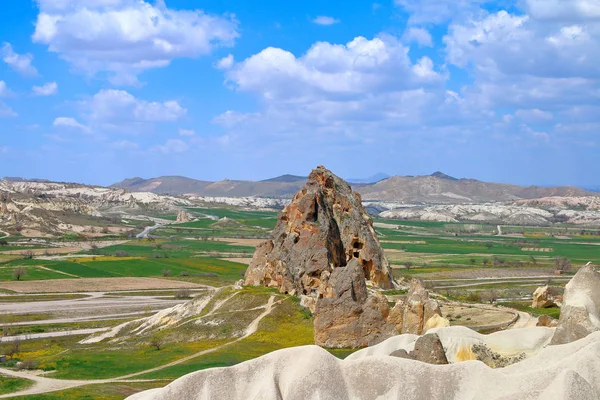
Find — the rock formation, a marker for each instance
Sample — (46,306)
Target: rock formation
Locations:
(555,372)
(324,250)
(323,228)
(412,314)
(183,216)
(348,316)
(580,313)
(546,320)
(429,349)
(547,296)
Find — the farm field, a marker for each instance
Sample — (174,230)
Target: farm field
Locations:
(101,287)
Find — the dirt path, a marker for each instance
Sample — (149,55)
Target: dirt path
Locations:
(45,335)
(525,320)
(46,385)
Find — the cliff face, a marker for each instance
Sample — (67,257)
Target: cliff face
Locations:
(323,228)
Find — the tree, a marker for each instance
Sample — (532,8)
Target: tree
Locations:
(27,254)
(561,265)
(408,265)
(485,261)
(94,248)
(489,296)
(473,261)
(19,272)
(105,229)
(3,243)
(156,341)
(489,245)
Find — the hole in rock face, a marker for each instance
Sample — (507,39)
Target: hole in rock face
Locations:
(356,254)
(296,238)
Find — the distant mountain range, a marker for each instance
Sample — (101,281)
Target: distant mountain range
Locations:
(435,188)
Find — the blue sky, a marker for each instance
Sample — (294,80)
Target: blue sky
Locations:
(95,91)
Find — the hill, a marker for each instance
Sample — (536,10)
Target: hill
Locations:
(435,188)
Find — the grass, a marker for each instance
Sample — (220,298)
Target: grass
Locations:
(106,391)
(554,312)
(286,326)
(9,384)
(49,297)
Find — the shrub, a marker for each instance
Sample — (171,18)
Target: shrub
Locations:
(121,253)
(167,272)
(28,364)
(27,254)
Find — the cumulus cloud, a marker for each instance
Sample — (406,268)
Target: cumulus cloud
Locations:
(126,37)
(324,20)
(534,115)
(438,11)
(187,132)
(18,62)
(118,107)
(563,10)
(173,146)
(357,68)
(225,62)
(6,111)
(48,89)
(69,123)
(4,89)
(418,35)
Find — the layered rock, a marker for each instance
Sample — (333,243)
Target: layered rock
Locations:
(414,313)
(348,316)
(324,250)
(325,227)
(580,313)
(547,296)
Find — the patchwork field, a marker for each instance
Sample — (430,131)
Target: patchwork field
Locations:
(101,286)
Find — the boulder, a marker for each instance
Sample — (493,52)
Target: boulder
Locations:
(412,314)
(348,317)
(546,320)
(547,296)
(580,313)
(429,349)
(436,321)
(323,228)
(183,216)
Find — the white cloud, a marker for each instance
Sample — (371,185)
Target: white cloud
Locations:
(124,145)
(418,35)
(225,62)
(563,10)
(69,122)
(534,115)
(324,20)
(4,89)
(359,68)
(19,62)
(438,11)
(126,37)
(48,89)
(187,132)
(6,111)
(118,107)
(173,146)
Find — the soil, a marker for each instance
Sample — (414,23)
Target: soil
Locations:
(94,285)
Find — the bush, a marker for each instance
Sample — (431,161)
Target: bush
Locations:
(121,253)
(184,273)
(167,272)
(28,364)
(27,254)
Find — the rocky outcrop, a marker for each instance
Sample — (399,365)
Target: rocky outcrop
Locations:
(183,216)
(348,316)
(324,250)
(323,228)
(412,314)
(555,372)
(580,313)
(547,296)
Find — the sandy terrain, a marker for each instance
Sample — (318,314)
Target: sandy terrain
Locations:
(476,315)
(94,285)
(49,250)
(241,242)
(245,260)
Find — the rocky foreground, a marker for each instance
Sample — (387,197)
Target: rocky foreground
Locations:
(516,364)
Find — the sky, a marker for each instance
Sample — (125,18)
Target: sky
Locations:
(95,91)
